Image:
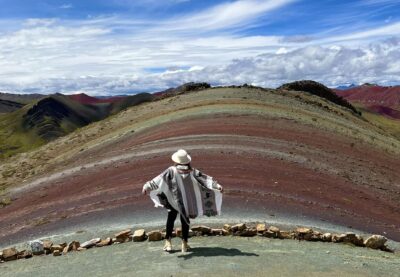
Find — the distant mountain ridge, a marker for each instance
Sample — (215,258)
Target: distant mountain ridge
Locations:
(373,95)
(7,106)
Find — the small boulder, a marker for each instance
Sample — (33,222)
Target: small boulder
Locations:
(154,236)
(56,253)
(203,230)
(74,245)
(248,232)
(261,228)
(104,242)
(337,238)
(139,235)
(47,244)
(36,247)
(272,232)
(238,227)
(327,237)
(286,235)
(123,236)
(10,254)
(90,243)
(217,232)
(25,254)
(316,236)
(303,233)
(227,227)
(56,247)
(375,242)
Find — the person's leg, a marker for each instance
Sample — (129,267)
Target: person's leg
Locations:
(185,235)
(170,223)
(185,229)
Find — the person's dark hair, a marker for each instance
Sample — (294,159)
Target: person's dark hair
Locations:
(189,165)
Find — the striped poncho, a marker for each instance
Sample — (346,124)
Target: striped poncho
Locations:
(191,192)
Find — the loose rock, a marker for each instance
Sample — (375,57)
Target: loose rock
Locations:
(375,242)
(10,254)
(37,247)
(154,236)
(203,230)
(272,232)
(56,253)
(74,245)
(286,235)
(139,235)
(123,236)
(25,254)
(261,228)
(104,242)
(327,237)
(238,227)
(227,227)
(47,244)
(303,233)
(248,232)
(56,247)
(218,232)
(90,243)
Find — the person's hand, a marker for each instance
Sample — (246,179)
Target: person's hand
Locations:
(221,189)
(144,191)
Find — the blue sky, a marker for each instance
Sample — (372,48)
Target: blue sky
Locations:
(122,46)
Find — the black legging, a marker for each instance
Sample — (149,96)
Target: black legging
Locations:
(170,225)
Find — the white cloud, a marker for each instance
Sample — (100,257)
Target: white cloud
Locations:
(66,6)
(226,15)
(112,55)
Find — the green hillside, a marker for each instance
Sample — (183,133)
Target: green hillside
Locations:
(51,117)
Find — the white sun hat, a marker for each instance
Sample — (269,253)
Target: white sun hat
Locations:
(181,157)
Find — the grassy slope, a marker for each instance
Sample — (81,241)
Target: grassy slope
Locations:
(303,109)
(16,136)
(391,126)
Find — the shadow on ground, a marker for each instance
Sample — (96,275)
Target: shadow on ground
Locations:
(215,251)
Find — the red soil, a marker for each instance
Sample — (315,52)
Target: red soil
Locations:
(386,111)
(373,95)
(86,99)
(263,164)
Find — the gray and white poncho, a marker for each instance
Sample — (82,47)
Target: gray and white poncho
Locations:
(190,192)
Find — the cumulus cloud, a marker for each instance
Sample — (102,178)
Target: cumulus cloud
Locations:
(113,55)
(332,65)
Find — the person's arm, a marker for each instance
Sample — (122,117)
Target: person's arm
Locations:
(156,182)
(207,181)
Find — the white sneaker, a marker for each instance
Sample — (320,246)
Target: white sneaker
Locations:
(168,245)
(185,246)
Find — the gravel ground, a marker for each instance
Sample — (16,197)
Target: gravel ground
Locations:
(216,256)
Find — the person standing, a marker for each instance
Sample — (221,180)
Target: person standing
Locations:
(186,191)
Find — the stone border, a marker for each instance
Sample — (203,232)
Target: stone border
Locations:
(47,247)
